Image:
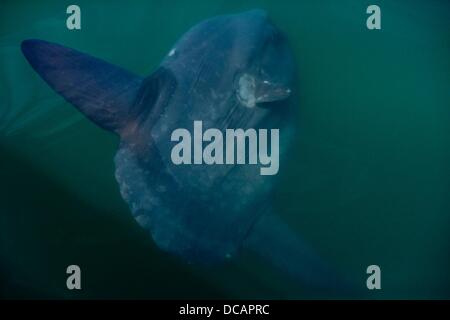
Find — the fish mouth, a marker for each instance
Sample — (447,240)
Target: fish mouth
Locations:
(251,90)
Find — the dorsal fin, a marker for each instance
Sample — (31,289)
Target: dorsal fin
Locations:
(103,92)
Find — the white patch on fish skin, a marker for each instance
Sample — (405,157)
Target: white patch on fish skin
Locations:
(143,220)
(172,52)
(246,90)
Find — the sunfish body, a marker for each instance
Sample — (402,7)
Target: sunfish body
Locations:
(231,71)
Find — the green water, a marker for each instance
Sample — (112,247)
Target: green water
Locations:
(368,179)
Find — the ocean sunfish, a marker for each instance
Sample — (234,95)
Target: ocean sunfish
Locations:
(230,71)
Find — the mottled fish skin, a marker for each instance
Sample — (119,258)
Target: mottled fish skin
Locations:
(232,71)
(204,212)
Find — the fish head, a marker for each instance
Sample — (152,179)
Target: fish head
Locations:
(243,54)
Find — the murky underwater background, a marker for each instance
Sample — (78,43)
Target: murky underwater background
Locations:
(368,179)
